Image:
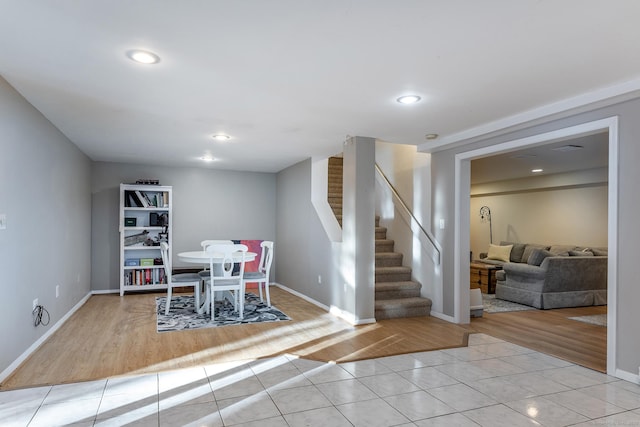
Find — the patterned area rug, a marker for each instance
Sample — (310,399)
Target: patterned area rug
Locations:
(182,314)
(594,319)
(491,304)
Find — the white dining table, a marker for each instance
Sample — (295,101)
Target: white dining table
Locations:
(205,258)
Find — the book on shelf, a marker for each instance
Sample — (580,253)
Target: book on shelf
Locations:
(146,276)
(143,199)
(131,200)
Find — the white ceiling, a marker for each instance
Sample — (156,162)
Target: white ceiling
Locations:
(589,152)
(290,79)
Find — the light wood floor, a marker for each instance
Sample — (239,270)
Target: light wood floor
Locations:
(551,332)
(112,336)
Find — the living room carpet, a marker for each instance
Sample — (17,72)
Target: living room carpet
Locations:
(594,319)
(182,314)
(491,304)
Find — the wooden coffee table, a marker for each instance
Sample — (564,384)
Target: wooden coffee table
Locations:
(483,276)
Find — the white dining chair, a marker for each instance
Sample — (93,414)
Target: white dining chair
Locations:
(228,258)
(204,274)
(261,277)
(180,279)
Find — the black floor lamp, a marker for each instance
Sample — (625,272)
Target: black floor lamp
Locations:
(485,215)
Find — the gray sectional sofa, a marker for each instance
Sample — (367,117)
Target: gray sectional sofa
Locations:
(552,276)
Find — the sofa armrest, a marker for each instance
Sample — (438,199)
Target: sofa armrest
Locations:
(575,273)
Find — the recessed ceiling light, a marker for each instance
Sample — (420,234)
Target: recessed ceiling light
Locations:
(221,137)
(536,170)
(143,56)
(207,158)
(431,136)
(408,99)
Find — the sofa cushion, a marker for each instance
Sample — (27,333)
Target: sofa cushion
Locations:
(500,253)
(516,251)
(580,253)
(561,250)
(600,252)
(537,256)
(530,248)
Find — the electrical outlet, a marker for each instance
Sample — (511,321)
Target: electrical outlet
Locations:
(319,279)
(57,291)
(35,303)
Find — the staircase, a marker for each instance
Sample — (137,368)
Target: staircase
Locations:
(396,294)
(334,188)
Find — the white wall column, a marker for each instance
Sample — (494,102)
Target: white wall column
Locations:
(358,228)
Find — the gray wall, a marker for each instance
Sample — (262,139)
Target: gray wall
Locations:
(304,251)
(207,204)
(628,234)
(338,275)
(45,193)
(576,216)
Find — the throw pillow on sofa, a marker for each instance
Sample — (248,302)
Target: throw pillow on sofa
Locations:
(529,249)
(537,256)
(580,253)
(500,253)
(516,251)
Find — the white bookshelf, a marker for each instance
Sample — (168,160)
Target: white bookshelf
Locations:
(143,210)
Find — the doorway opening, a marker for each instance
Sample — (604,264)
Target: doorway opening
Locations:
(462,215)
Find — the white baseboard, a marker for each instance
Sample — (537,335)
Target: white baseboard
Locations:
(335,311)
(442,316)
(105,291)
(16,363)
(627,376)
(303,296)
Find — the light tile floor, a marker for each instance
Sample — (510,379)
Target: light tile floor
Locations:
(490,383)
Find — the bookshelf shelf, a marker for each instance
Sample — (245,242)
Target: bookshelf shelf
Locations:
(145,219)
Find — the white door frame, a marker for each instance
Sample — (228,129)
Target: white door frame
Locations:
(462,213)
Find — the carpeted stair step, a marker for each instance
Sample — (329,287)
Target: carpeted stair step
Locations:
(384,245)
(335,201)
(337,210)
(392,274)
(396,290)
(381,233)
(403,307)
(388,259)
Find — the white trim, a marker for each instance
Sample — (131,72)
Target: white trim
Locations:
(333,310)
(349,317)
(24,356)
(627,376)
(443,317)
(462,194)
(610,94)
(612,232)
(105,291)
(459,305)
(303,296)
